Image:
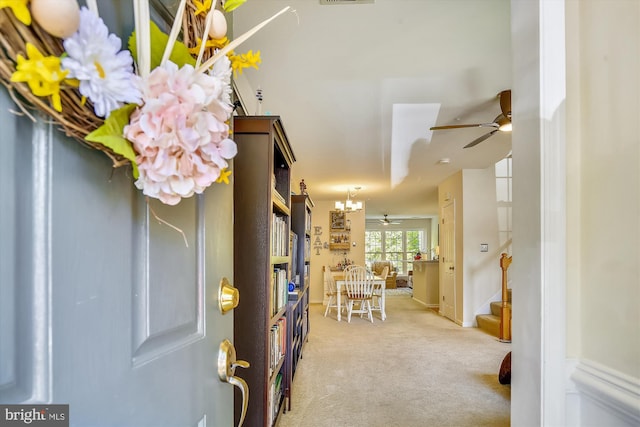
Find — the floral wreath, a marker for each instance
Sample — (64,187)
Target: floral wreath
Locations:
(162,106)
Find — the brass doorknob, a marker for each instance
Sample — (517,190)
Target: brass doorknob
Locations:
(227,364)
(228,296)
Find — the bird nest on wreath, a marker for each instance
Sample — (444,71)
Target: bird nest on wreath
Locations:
(161,105)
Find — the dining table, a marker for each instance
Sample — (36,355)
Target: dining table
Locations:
(377,280)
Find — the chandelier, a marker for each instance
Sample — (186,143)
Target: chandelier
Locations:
(349,205)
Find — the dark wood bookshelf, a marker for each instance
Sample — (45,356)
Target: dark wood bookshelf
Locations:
(262,183)
(301,211)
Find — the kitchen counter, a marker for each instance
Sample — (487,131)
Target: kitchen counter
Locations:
(426,282)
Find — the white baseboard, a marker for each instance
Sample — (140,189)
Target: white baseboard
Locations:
(425,304)
(606,395)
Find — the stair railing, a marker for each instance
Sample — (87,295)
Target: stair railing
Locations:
(505,318)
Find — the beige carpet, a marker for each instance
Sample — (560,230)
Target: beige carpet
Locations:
(415,369)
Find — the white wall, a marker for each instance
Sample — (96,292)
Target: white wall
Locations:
(599,212)
(603,203)
(477,274)
(538,270)
(609,141)
(482,274)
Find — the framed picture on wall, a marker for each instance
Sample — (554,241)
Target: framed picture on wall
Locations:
(336,220)
(339,240)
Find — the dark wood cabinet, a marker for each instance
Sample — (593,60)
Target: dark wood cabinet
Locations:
(301,211)
(262,262)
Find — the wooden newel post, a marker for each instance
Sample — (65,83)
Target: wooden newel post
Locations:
(505,320)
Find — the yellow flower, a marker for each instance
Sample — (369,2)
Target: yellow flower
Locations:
(19,9)
(249,59)
(224,176)
(211,43)
(42,74)
(202,6)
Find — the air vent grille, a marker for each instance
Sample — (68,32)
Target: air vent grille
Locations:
(327,2)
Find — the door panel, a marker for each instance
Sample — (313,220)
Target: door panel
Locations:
(166,316)
(447,256)
(102,307)
(24,264)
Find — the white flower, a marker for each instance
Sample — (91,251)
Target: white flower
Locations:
(105,72)
(221,106)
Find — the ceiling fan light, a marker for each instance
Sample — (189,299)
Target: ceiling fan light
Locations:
(358,206)
(504,125)
(339,206)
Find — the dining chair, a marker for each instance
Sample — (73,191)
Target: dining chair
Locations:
(331,291)
(349,267)
(378,289)
(359,286)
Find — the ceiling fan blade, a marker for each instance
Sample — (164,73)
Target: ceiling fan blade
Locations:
(476,125)
(479,140)
(505,103)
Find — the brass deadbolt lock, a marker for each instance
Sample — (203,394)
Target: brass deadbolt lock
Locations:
(228,296)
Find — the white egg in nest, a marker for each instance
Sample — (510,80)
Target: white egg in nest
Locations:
(60,18)
(218,28)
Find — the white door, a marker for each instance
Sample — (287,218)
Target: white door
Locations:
(448,262)
(101,306)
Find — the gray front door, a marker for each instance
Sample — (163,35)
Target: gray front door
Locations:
(102,307)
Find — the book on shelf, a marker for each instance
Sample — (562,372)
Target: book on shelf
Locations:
(277,350)
(279,235)
(275,399)
(293,244)
(277,343)
(307,247)
(307,224)
(279,289)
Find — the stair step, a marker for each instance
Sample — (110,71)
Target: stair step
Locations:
(496,308)
(489,323)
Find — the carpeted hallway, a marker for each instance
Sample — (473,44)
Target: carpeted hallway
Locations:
(415,369)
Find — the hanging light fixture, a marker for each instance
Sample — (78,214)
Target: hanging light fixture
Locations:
(349,205)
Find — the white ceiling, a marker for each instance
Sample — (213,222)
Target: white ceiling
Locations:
(335,74)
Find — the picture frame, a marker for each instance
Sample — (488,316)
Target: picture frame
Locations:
(339,240)
(336,221)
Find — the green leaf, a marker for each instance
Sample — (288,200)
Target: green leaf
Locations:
(230,5)
(179,55)
(110,135)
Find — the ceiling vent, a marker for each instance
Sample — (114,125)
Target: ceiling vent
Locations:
(346,1)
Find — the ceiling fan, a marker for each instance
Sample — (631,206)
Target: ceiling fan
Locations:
(500,123)
(387,221)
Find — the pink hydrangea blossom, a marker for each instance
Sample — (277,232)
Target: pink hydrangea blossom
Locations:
(180,133)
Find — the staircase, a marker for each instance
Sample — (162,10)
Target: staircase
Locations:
(490,323)
(498,323)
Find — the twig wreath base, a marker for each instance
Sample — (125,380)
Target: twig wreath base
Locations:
(77,118)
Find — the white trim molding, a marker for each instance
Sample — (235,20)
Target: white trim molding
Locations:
(615,392)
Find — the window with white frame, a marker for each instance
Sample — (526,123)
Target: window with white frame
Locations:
(397,246)
(504,201)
